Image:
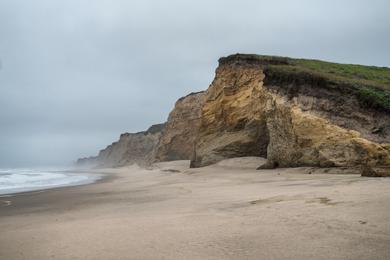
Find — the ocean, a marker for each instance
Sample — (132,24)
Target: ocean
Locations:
(22,180)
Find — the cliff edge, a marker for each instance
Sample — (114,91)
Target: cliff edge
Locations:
(294,112)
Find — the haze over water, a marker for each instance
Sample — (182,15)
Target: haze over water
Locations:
(22,179)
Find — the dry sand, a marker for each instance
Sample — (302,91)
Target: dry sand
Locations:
(219,212)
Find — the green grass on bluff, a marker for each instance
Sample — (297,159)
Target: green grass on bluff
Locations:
(368,75)
(370,84)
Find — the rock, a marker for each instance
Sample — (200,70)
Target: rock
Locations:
(178,137)
(268,107)
(369,171)
(302,139)
(251,109)
(131,148)
(268,165)
(231,122)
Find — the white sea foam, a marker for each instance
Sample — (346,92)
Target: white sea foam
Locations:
(21,180)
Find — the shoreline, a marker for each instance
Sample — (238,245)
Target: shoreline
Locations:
(216,212)
(41,195)
(93,177)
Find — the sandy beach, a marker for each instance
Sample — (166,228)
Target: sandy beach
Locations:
(224,211)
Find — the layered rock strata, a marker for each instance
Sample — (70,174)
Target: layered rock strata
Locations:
(250,110)
(178,137)
(273,107)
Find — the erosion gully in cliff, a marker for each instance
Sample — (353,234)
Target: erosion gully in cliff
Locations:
(293,112)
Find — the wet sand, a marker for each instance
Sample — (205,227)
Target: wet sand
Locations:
(225,211)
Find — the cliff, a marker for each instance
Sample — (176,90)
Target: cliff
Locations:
(131,148)
(178,137)
(174,140)
(295,113)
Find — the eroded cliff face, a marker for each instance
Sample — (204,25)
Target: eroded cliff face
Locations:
(306,121)
(232,124)
(173,140)
(178,137)
(139,148)
(300,138)
(269,107)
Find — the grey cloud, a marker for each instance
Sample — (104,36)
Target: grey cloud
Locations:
(77,73)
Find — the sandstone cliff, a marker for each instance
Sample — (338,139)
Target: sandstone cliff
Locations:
(292,112)
(174,140)
(178,137)
(273,107)
(131,148)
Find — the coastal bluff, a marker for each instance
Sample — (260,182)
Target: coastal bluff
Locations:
(293,112)
(129,149)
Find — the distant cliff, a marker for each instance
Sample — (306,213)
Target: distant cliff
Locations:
(173,140)
(293,112)
(131,148)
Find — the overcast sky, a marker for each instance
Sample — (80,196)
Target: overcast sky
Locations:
(75,73)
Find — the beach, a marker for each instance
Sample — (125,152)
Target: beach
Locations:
(225,211)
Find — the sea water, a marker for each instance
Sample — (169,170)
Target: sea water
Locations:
(22,180)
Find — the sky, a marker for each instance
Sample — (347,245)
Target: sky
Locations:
(75,73)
